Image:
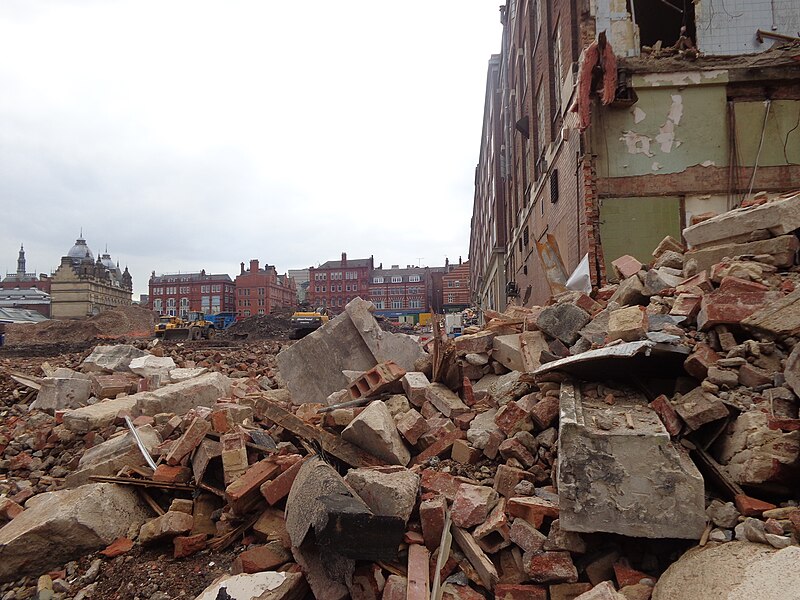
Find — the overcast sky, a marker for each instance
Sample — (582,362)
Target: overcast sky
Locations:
(191,134)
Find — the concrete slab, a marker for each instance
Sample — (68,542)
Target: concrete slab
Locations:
(312,367)
(618,471)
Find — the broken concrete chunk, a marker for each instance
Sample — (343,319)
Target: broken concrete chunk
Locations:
(563,321)
(107,359)
(474,343)
(59,393)
(152,366)
(352,341)
(699,407)
(782,250)
(390,491)
(627,324)
(374,430)
(180,398)
(657,490)
(342,523)
(629,292)
(60,526)
(779,217)
(414,385)
(754,454)
(779,317)
(97,416)
(446,401)
(167,525)
(112,455)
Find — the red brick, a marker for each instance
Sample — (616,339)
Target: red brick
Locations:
(545,412)
(186,545)
(547,567)
(737,284)
(526,536)
(472,505)
(243,493)
(443,483)
(504,591)
(467,393)
(395,588)
(118,547)
(513,418)
(142,420)
(506,479)
(465,454)
(260,558)
(9,509)
(418,573)
(666,412)
(751,507)
(169,474)
(493,444)
(513,448)
(451,591)
(700,360)
(277,489)
(234,456)
(751,376)
(463,420)
(368,582)
(568,591)
(686,305)
(698,283)
(431,516)
(587,304)
(441,446)
(626,575)
(533,510)
(494,533)
(195,433)
(626,266)
(221,421)
(412,426)
(725,308)
(378,378)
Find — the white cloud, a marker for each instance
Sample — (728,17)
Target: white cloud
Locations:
(198,134)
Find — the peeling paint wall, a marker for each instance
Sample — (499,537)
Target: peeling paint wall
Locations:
(678,121)
(781,134)
(612,16)
(729,26)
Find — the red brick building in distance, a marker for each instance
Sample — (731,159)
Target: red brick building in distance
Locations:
(259,291)
(456,287)
(25,290)
(334,283)
(177,294)
(401,294)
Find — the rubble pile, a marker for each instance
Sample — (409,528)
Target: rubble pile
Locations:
(570,451)
(124,321)
(261,327)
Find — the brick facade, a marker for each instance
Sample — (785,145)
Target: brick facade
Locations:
(334,283)
(180,293)
(260,291)
(456,288)
(397,291)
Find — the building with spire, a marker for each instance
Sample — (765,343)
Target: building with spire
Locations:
(83,286)
(25,291)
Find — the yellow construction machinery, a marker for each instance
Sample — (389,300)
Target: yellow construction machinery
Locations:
(193,327)
(304,323)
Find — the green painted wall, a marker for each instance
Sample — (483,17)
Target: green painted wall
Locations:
(781,135)
(635,226)
(695,114)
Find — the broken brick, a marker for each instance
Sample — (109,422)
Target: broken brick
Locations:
(276,490)
(243,493)
(700,360)
(195,433)
(666,412)
(186,545)
(505,591)
(550,567)
(418,573)
(751,507)
(432,516)
(533,510)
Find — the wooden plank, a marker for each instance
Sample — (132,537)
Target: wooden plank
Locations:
(145,483)
(33,383)
(330,443)
(476,557)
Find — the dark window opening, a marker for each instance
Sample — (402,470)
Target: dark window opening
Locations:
(554,186)
(662,20)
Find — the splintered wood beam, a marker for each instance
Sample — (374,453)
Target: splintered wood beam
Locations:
(330,443)
(145,483)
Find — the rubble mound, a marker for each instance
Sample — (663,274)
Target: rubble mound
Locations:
(261,327)
(125,321)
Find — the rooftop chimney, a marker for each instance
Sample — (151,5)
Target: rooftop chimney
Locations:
(254,265)
(242,265)
(344,259)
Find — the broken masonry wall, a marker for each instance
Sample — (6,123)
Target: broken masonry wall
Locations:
(666,158)
(731,28)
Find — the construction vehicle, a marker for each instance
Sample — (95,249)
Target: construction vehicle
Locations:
(304,323)
(193,327)
(222,320)
(166,322)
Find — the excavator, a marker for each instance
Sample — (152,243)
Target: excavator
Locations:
(193,327)
(304,323)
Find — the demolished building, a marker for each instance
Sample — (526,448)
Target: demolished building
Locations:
(569,451)
(609,125)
